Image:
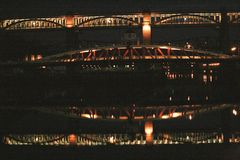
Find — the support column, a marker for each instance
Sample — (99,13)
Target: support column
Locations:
(71,33)
(224,33)
(146,28)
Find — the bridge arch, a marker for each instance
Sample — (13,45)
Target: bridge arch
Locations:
(107,21)
(36,23)
(184,19)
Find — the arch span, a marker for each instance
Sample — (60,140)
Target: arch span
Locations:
(106,19)
(184,18)
(33,20)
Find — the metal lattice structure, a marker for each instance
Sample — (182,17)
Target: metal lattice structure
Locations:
(138,52)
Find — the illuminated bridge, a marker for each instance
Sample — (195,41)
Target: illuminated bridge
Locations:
(137,52)
(135,19)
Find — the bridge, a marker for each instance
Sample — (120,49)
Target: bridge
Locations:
(136,19)
(144,20)
(134,52)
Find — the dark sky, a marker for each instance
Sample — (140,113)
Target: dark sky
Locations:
(41,8)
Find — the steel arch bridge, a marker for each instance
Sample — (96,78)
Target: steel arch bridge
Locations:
(135,52)
(137,19)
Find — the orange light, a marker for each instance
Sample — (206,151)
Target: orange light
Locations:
(72,139)
(214,64)
(148,128)
(69,21)
(146,29)
(32,58)
(149,139)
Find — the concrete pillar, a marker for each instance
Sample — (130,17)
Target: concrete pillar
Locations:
(224,33)
(146,28)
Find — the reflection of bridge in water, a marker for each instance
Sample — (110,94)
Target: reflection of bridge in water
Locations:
(134,113)
(119,139)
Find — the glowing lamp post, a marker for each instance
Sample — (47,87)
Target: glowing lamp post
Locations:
(72,139)
(148,131)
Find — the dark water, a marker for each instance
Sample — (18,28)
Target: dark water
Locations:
(108,104)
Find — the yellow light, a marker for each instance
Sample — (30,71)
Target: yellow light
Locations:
(176,114)
(86,115)
(165,117)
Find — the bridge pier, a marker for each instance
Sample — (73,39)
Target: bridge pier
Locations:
(71,33)
(146,29)
(72,40)
(224,33)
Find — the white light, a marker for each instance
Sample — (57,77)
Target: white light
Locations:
(190,117)
(206,98)
(234,112)
(233,49)
(111,139)
(176,114)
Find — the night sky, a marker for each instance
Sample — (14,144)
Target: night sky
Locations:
(41,8)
